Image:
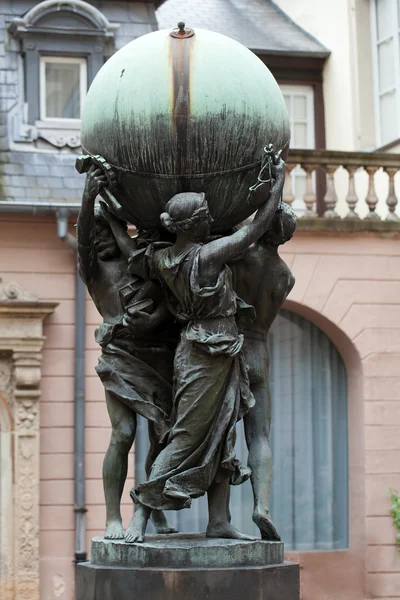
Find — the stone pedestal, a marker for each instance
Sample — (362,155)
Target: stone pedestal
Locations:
(187,567)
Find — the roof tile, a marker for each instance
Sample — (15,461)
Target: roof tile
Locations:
(258,24)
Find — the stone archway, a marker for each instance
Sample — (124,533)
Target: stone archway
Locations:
(21,342)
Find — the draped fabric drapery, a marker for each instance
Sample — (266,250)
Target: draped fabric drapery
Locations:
(309,494)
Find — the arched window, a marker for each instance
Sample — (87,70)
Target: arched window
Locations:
(309,495)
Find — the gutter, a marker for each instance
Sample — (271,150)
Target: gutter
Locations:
(62,211)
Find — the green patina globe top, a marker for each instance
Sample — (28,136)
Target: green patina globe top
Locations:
(175,114)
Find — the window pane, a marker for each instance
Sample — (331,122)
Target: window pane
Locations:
(63,97)
(287,102)
(299,135)
(389,126)
(386,65)
(384,18)
(300,108)
(300,104)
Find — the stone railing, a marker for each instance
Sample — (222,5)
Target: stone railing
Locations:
(348,185)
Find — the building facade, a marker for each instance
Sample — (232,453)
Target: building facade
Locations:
(335,348)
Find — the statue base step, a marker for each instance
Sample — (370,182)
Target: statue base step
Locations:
(187,567)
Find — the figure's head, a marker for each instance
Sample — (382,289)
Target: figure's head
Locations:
(105,243)
(282,227)
(188,213)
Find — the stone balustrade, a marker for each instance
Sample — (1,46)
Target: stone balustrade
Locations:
(348,185)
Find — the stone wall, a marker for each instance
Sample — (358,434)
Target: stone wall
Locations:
(348,284)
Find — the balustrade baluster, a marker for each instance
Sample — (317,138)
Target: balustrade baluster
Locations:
(391,199)
(310,197)
(330,196)
(351,197)
(288,195)
(372,198)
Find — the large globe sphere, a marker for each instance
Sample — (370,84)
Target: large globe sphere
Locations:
(186,113)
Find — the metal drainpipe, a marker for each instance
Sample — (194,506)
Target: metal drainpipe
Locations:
(62,211)
(79,405)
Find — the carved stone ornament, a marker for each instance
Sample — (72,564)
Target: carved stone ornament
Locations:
(21,341)
(31,20)
(15,292)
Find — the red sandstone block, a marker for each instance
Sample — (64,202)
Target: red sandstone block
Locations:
(57,414)
(59,260)
(64,314)
(56,439)
(24,235)
(57,288)
(377,493)
(56,492)
(57,389)
(382,461)
(93,316)
(382,364)
(57,576)
(356,244)
(97,439)
(96,414)
(378,341)
(339,299)
(58,362)
(382,437)
(90,342)
(55,518)
(381,585)
(59,466)
(383,559)
(57,544)
(91,358)
(362,316)
(93,465)
(95,494)
(303,266)
(96,516)
(382,413)
(380,530)
(381,388)
(59,337)
(94,390)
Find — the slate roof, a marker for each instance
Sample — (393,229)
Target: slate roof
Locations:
(258,24)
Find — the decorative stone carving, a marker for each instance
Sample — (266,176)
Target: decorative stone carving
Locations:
(21,341)
(14,291)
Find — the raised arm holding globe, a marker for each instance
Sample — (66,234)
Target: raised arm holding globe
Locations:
(183,145)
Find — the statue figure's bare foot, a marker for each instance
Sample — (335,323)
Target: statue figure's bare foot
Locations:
(267,529)
(114,531)
(227,531)
(160,522)
(136,528)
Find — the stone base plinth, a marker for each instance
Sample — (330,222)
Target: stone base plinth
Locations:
(187,567)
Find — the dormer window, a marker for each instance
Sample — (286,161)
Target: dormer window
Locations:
(56,83)
(63,87)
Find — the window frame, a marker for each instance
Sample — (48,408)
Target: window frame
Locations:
(83,86)
(395,35)
(306,90)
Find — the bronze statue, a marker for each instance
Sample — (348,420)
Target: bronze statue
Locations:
(264,280)
(211,386)
(136,364)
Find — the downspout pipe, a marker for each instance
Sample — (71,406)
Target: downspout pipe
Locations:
(62,211)
(79,404)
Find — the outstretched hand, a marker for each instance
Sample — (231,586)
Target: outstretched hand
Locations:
(96,180)
(272,169)
(139,322)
